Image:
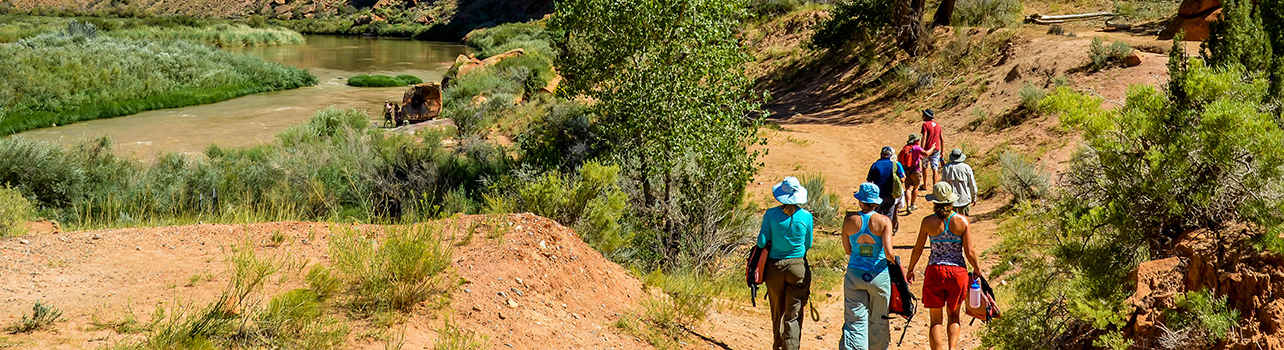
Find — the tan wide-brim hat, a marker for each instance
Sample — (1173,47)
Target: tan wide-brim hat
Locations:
(942,193)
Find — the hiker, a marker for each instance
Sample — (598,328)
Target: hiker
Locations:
(388,113)
(787,230)
(881,173)
(946,278)
(959,175)
(867,287)
(932,140)
(911,157)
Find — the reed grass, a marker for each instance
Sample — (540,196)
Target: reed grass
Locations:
(61,79)
(220,35)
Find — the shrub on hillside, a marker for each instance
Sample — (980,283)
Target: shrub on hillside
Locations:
(855,20)
(825,207)
(14,212)
(1198,320)
(987,13)
(1031,96)
(1021,179)
(531,36)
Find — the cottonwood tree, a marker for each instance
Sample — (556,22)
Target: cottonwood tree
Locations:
(670,103)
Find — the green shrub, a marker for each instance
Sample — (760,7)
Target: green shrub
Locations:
(773,8)
(987,13)
(14,212)
(219,35)
(1103,56)
(42,317)
(530,36)
(409,79)
(1031,96)
(1021,179)
(407,268)
(375,80)
(825,207)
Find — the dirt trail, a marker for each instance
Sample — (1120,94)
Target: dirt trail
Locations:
(565,293)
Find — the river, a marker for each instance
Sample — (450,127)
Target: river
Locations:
(254,119)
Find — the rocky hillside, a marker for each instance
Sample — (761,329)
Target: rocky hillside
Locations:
(434,19)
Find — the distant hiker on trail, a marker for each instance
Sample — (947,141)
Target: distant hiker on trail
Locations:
(945,281)
(787,229)
(884,173)
(911,157)
(959,175)
(867,287)
(932,140)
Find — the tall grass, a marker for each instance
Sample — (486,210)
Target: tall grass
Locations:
(220,35)
(62,79)
(408,267)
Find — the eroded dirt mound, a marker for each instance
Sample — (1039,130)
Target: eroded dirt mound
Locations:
(1226,264)
(563,293)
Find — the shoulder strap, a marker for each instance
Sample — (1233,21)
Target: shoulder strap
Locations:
(947,230)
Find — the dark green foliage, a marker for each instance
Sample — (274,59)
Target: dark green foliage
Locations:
(987,13)
(853,20)
(590,200)
(679,121)
(42,316)
(1251,35)
(1102,55)
(773,8)
(375,80)
(1161,165)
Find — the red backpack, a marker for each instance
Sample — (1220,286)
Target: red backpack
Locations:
(902,300)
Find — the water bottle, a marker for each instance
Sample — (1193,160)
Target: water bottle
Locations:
(974,294)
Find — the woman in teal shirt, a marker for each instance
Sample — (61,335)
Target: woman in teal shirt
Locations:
(788,231)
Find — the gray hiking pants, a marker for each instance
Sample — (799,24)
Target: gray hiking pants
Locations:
(788,288)
(865,305)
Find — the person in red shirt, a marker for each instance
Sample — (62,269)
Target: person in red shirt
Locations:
(911,156)
(932,141)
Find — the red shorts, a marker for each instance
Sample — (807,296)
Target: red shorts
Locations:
(944,285)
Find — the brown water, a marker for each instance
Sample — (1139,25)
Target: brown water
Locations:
(254,119)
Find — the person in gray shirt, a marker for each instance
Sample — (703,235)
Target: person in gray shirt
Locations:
(959,175)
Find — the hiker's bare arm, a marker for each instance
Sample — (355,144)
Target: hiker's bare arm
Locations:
(849,228)
(968,251)
(918,249)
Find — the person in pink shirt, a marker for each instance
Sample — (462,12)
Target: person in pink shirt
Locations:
(911,156)
(932,141)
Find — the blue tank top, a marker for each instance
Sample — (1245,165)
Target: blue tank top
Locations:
(867,249)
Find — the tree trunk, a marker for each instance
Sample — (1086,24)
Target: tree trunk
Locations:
(909,25)
(944,12)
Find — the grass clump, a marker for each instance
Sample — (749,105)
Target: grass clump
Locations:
(987,13)
(375,80)
(14,212)
(1021,179)
(408,267)
(42,317)
(452,337)
(1031,96)
(68,77)
(824,206)
(219,35)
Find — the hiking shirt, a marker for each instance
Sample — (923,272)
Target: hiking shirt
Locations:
(867,249)
(790,236)
(912,155)
(881,174)
(959,175)
(932,135)
(947,247)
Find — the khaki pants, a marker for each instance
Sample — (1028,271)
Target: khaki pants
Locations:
(964,210)
(788,289)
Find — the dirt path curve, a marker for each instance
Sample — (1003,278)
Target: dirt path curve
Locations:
(843,154)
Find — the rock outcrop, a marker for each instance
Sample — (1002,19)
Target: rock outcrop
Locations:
(1193,17)
(421,102)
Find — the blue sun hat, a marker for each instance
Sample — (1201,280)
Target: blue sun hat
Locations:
(790,191)
(868,194)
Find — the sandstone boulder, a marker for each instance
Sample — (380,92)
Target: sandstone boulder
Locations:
(421,102)
(1196,28)
(1133,59)
(1191,8)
